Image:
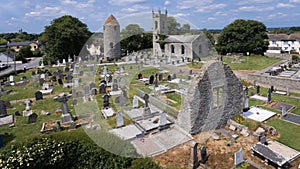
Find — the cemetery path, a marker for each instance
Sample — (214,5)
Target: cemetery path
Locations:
(33,99)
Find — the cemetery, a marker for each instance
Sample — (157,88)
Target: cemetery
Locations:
(174,109)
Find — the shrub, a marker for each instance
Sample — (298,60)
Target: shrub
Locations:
(295,57)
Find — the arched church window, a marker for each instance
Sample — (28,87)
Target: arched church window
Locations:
(182,49)
(172,49)
(111,44)
(200,48)
(155,24)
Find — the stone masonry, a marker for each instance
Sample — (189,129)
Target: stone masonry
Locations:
(212,98)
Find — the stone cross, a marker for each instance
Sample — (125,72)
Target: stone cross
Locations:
(63,99)
(27,102)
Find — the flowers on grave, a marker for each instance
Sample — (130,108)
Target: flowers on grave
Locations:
(156,121)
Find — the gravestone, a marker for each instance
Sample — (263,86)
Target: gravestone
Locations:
(38,95)
(92,85)
(147,110)
(122,82)
(60,81)
(32,118)
(42,76)
(254,83)
(120,120)
(104,70)
(105,101)
(69,78)
(283,111)
(146,98)
(174,76)
(194,163)
(94,91)
(169,78)
(269,96)
(115,85)
(246,103)
(263,139)
(42,81)
(151,79)
(66,115)
(163,119)
(246,91)
(33,73)
(1,141)
(102,88)
(135,102)
(257,89)
(238,157)
(27,107)
(11,79)
(155,82)
(180,84)
(272,89)
(160,77)
(203,154)
(76,83)
(140,76)
(109,78)
(3,111)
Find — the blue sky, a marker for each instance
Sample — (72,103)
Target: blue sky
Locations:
(33,15)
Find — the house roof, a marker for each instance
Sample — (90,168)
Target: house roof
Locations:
(284,37)
(111,20)
(20,43)
(181,38)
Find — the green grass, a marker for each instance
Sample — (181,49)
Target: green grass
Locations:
(289,133)
(253,62)
(176,97)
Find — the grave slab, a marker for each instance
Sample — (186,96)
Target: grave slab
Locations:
(258,97)
(107,112)
(290,117)
(258,114)
(127,132)
(7,120)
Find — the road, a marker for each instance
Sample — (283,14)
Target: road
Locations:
(32,63)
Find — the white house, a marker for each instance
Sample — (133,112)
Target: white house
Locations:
(284,43)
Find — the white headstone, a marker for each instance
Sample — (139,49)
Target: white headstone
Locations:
(64,61)
(283,111)
(246,105)
(45,86)
(238,157)
(163,119)
(287,92)
(127,59)
(104,70)
(57,62)
(11,78)
(120,120)
(122,82)
(43,76)
(121,70)
(27,104)
(135,102)
(69,59)
(76,83)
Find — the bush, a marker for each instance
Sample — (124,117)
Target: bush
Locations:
(295,57)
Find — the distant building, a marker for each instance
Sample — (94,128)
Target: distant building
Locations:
(284,43)
(7,57)
(179,46)
(111,36)
(18,45)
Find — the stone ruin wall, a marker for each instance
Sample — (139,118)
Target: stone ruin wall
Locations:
(202,110)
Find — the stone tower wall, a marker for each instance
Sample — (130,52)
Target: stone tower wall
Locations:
(160,26)
(111,36)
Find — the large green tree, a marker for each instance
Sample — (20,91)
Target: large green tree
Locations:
(243,36)
(173,26)
(65,36)
(131,29)
(24,52)
(136,42)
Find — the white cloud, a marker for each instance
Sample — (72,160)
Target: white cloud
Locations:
(255,9)
(220,13)
(124,2)
(211,7)
(135,8)
(282,5)
(167,2)
(211,18)
(254,2)
(295,1)
(189,4)
(181,15)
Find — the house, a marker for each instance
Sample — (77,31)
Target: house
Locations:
(18,45)
(284,43)
(4,57)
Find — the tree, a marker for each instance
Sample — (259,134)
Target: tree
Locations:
(136,43)
(24,53)
(131,29)
(243,36)
(65,36)
(173,26)
(186,28)
(209,36)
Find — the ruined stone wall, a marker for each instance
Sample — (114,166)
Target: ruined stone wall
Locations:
(213,97)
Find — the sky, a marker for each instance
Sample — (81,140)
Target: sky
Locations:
(33,15)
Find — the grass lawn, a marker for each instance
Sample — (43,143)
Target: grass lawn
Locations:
(289,133)
(253,62)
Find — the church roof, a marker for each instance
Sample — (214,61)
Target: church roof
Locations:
(111,20)
(284,37)
(181,38)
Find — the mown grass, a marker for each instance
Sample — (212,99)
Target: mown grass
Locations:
(289,133)
(253,62)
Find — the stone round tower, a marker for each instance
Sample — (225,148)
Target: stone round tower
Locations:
(111,36)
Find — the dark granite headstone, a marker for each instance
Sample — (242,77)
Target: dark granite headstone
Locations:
(174,76)
(69,78)
(151,79)
(38,95)
(32,118)
(60,81)
(102,88)
(203,154)
(146,98)
(92,85)
(3,111)
(94,91)
(160,77)
(42,81)
(257,89)
(115,85)
(105,101)
(110,78)
(169,78)
(140,76)
(269,95)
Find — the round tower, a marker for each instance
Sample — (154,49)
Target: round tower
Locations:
(111,36)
